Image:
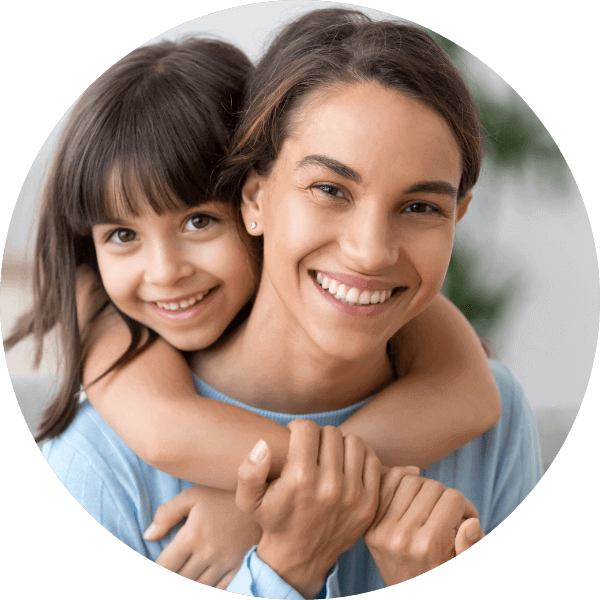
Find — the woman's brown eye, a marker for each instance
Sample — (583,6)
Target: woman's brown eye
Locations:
(419,207)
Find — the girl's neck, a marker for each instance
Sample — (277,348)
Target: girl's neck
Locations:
(270,363)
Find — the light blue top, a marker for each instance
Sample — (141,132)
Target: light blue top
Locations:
(495,471)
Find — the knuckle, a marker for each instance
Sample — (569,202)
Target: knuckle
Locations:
(453,495)
(399,543)
(431,485)
(303,425)
(300,478)
(424,547)
(330,492)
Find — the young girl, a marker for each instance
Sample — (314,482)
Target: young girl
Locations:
(129,200)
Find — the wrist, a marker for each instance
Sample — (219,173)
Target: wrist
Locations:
(306,576)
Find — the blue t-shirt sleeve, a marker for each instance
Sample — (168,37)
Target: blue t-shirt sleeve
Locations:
(96,488)
(255,578)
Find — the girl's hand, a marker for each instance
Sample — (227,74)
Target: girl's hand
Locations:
(321,505)
(420,524)
(212,543)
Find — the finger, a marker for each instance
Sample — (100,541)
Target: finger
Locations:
(195,567)
(371,471)
(423,503)
(354,457)
(331,451)
(169,514)
(448,512)
(371,477)
(469,533)
(304,444)
(390,481)
(405,493)
(176,554)
(252,478)
(210,576)
(225,581)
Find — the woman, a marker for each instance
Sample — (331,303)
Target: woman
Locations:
(355,161)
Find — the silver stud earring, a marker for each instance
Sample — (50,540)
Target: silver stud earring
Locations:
(253,225)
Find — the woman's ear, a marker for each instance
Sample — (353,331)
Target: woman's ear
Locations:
(252,203)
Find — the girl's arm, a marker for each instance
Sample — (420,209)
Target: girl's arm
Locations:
(447,395)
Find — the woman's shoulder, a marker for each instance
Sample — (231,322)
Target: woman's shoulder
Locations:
(515,407)
(517,423)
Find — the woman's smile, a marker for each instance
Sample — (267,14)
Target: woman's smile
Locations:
(358,213)
(354,295)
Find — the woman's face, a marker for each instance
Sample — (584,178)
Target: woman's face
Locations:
(361,203)
(185,274)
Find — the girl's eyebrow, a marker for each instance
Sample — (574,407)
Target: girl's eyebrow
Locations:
(433,187)
(114,221)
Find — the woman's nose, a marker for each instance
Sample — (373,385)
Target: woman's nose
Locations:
(369,242)
(166,264)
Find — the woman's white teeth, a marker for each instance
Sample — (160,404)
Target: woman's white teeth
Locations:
(352,295)
(182,304)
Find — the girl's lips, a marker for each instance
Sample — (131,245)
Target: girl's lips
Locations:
(178,315)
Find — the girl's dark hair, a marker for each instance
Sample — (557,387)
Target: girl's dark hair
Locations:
(154,126)
(332,47)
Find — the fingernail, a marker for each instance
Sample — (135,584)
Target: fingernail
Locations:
(259,452)
(414,470)
(150,531)
(473,531)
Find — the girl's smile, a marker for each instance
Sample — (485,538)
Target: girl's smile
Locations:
(184,273)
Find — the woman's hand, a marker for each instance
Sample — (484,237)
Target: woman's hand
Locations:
(212,543)
(321,505)
(420,524)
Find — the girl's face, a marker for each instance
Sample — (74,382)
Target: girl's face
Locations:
(185,274)
(358,215)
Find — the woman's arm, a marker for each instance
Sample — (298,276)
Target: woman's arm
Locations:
(445,396)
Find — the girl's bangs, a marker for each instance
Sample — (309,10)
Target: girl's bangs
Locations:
(131,190)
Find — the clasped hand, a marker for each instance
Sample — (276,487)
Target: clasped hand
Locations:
(332,491)
(324,500)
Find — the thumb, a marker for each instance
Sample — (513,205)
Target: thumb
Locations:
(252,478)
(170,513)
(469,533)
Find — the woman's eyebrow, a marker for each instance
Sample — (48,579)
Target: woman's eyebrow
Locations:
(433,187)
(332,164)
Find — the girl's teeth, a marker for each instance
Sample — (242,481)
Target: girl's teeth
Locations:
(181,305)
(352,296)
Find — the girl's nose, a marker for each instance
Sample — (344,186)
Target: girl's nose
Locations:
(369,242)
(166,265)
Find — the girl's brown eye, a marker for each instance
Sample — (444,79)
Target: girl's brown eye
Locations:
(196,222)
(420,207)
(122,236)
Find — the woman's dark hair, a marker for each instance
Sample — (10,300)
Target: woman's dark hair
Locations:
(328,48)
(155,126)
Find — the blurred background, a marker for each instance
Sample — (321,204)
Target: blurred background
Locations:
(524,267)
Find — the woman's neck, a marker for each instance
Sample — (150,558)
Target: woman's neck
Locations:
(270,363)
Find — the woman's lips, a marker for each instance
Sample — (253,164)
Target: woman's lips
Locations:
(368,310)
(359,282)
